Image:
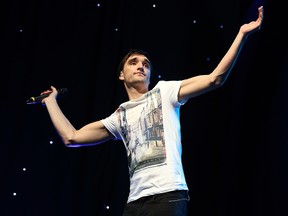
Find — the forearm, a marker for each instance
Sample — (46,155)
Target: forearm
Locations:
(197,85)
(221,72)
(62,125)
(224,67)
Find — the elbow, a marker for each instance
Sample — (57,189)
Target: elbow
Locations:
(220,83)
(71,144)
(219,79)
(217,82)
(68,141)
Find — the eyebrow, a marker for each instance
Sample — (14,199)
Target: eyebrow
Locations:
(146,60)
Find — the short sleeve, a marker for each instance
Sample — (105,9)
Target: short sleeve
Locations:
(112,125)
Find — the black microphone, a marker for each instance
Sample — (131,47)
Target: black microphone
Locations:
(35,100)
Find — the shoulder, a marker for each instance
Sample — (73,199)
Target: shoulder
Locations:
(169,90)
(169,83)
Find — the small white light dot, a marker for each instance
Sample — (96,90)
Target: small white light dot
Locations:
(221,26)
(98,5)
(14,194)
(194,21)
(154,5)
(107,207)
(24,169)
(116,29)
(21,30)
(51,142)
(208,59)
(159,76)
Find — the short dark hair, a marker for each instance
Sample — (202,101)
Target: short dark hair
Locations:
(130,53)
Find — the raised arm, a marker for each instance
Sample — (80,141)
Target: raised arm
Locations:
(198,85)
(91,134)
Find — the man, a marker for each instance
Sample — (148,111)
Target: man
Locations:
(149,127)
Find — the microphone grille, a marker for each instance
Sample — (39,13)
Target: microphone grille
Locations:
(63,90)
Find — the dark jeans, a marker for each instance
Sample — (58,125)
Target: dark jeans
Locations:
(173,203)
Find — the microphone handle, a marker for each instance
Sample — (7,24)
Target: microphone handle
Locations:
(38,99)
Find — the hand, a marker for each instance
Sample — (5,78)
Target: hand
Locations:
(52,94)
(253,26)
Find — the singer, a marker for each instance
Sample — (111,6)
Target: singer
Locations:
(149,126)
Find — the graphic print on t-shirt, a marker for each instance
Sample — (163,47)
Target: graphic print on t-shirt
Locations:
(144,137)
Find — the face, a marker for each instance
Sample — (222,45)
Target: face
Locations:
(136,70)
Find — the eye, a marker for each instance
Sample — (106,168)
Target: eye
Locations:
(146,64)
(133,62)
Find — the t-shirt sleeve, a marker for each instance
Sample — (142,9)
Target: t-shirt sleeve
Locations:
(172,91)
(112,125)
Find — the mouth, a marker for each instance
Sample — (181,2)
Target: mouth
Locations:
(140,73)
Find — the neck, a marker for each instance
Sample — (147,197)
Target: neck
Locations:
(135,92)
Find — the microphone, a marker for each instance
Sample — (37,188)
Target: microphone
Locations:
(35,100)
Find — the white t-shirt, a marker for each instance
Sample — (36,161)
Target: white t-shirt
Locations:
(149,127)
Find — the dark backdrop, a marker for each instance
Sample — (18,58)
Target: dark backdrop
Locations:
(234,139)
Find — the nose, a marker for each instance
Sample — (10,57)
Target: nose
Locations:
(141,66)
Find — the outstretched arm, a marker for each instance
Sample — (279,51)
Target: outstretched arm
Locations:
(198,85)
(91,134)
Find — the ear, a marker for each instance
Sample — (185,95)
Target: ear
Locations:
(121,75)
